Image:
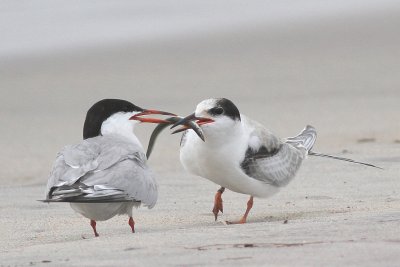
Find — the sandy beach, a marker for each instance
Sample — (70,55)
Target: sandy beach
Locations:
(338,72)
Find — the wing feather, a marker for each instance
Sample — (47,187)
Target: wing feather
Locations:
(272,161)
(102,169)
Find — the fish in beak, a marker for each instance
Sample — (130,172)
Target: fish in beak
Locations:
(162,124)
(187,122)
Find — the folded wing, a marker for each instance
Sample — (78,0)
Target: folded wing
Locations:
(102,169)
(272,161)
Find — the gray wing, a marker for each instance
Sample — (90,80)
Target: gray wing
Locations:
(272,161)
(102,169)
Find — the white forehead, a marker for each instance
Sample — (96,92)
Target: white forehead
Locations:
(206,105)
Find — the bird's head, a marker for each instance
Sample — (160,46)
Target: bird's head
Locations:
(113,115)
(214,116)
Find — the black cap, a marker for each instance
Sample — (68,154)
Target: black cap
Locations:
(101,111)
(227,108)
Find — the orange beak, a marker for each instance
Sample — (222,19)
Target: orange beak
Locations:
(192,117)
(138,117)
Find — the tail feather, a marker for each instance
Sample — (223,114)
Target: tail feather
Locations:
(341,158)
(305,139)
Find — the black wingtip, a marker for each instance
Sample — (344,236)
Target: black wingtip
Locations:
(100,200)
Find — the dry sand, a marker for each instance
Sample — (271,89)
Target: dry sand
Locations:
(341,76)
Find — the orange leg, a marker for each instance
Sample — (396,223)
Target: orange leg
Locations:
(131,223)
(218,202)
(93,224)
(244,217)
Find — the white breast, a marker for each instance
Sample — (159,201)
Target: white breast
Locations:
(218,160)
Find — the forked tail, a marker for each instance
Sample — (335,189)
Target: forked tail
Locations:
(307,139)
(304,139)
(340,158)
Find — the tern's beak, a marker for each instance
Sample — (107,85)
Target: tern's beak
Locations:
(138,117)
(192,117)
(192,122)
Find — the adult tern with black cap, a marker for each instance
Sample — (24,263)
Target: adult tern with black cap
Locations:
(240,154)
(106,174)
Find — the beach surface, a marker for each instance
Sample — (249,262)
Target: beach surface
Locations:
(334,67)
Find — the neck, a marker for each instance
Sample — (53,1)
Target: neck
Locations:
(221,137)
(120,124)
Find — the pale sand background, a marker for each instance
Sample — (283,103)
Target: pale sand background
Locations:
(338,72)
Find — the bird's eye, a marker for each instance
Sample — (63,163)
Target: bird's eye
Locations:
(217,111)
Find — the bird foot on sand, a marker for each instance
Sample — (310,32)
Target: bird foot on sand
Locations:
(218,207)
(131,223)
(93,224)
(241,221)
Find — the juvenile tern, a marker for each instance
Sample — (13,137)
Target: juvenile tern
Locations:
(240,154)
(106,174)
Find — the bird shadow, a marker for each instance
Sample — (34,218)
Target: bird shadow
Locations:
(292,216)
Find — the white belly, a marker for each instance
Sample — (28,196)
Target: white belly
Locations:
(102,211)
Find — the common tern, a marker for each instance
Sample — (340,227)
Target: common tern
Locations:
(106,174)
(240,154)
